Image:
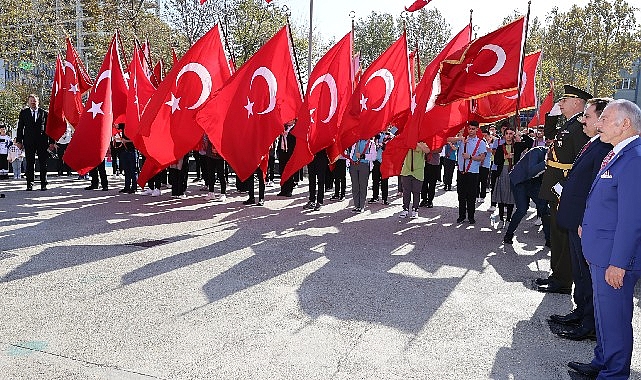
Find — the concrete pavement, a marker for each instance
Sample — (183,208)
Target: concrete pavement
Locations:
(101,285)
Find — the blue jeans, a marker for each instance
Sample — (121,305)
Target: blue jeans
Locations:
(523,192)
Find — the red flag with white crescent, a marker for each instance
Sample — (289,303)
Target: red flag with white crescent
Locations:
(489,64)
(425,116)
(495,107)
(244,118)
(417,5)
(382,94)
(75,82)
(140,91)
(325,102)
(93,133)
(168,123)
(56,124)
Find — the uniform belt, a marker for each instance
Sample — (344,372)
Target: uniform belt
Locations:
(559,165)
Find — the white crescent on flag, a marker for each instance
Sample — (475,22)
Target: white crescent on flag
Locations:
(387,76)
(500,59)
(205,79)
(333,91)
(523,84)
(272,83)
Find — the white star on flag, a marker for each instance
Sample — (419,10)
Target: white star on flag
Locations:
(74,88)
(363,102)
(96,108)
(250,108)
(174,103)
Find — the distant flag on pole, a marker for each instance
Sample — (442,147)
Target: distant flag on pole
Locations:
(418,4)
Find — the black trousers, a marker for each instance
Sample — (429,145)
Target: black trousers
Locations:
(99,171)
(448,171)
(261,185)
(431,174)
(340,178)
(484,177)
(467,185)
(30,157)
(560,261)
(582,281)
(156,181)
(378,182)
(316,170)
(288,186)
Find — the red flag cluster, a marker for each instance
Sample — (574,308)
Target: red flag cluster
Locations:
(243,112)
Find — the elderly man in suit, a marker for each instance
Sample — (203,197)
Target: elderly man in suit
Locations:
(570,215)
(610,235)
(566,145)
(33,139)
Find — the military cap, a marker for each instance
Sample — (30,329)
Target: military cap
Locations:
(570,91)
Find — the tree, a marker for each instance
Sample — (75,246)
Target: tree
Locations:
(427,30)
(373,35)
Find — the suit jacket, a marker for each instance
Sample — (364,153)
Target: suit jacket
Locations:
(612,220)
(578,184)
(567,144)
(531,164)
(31,133)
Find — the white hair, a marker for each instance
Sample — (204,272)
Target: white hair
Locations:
(627,110)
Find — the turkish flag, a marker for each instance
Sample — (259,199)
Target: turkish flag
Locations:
(546,107)
(418,4)
(174,57)
(75,82)
(140,91)
(324,104)
(426,118)
(499,106)
(158,73)
(92,135)
(244,118)
(487,65)
(168,122)
(382,93)
(56,125)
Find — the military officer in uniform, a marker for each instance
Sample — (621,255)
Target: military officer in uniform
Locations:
(567,143)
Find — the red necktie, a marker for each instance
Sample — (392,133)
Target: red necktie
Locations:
(607,159)
(585,147)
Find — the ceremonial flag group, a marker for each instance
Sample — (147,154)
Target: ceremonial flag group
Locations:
(244,110)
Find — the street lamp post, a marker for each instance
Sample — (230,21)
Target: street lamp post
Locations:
(589,85)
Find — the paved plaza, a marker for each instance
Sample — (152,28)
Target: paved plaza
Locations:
(102,285)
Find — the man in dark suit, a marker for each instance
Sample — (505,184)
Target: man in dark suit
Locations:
(566,145)
(610,235)
(570,215)
(286,143)
(33,139)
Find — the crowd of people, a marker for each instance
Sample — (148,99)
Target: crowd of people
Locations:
(580,172)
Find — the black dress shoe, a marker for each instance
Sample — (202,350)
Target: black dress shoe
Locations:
(43,188)
(430,205)
(460,220)
(542,281)
(423,203)
(508,238)
(472,221)
(123,191)
(373,200)
(249,201)
(554,288)
(585,369)
(580,333)
(105,188)
(91,187)
(29,188)
(386,202)
(334,197)
(570,319)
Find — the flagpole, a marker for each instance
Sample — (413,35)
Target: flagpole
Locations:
(517,118)
(231,53)
(309,43)
(418,61)
(291,40)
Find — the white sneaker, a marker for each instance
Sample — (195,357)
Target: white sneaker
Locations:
(147,192)
(156,193)
(222,198)
(210,196)
(403,214)
(414,214)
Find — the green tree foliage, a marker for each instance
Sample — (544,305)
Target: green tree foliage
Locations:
(373,35)
(427,30)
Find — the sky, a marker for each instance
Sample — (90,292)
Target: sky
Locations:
(332,21)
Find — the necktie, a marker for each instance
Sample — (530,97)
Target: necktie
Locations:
(607,159)
(585,147)
(33,112)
